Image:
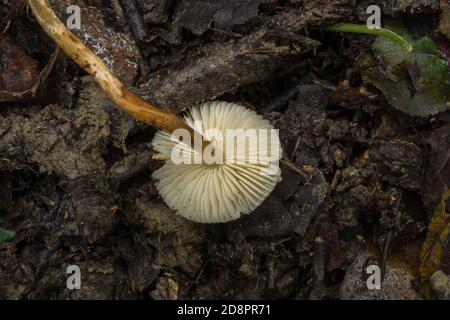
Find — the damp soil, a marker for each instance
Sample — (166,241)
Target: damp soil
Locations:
(360,182)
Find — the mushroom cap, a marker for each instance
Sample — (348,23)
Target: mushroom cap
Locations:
(224,190)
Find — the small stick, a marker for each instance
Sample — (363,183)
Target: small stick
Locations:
(85,58)
(293,167)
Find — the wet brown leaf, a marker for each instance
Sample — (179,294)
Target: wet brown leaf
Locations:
(19,72)
(9,10)
(197,16)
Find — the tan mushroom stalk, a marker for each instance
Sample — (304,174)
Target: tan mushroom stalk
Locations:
(207,192)
(85,58)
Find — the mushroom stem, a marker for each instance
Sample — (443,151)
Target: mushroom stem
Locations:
(92,64)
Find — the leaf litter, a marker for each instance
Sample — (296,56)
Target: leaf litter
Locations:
(76,173)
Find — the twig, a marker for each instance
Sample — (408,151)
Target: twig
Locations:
(279,49)
(232,34)
(297,144)
(435,241)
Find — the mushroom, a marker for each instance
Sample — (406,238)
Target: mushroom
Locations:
(244,147)
(220,191)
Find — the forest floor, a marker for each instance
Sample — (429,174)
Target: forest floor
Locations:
(369,153)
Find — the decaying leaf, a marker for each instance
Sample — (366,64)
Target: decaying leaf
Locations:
(196,16)
(175,238)
(9,10)
(416,83)
(443,44)
(18,71)
(444,24)
(155,11)
(436,245)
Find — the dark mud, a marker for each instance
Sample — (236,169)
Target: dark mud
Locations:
(361,183)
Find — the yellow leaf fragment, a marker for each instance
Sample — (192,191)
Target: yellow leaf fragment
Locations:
(436,243)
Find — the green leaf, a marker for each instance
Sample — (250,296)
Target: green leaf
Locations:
(417,82)
(6,235)
(360,28)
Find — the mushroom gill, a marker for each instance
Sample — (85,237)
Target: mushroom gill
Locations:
(223,190)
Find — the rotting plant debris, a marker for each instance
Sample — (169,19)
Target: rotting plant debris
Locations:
(363,182)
